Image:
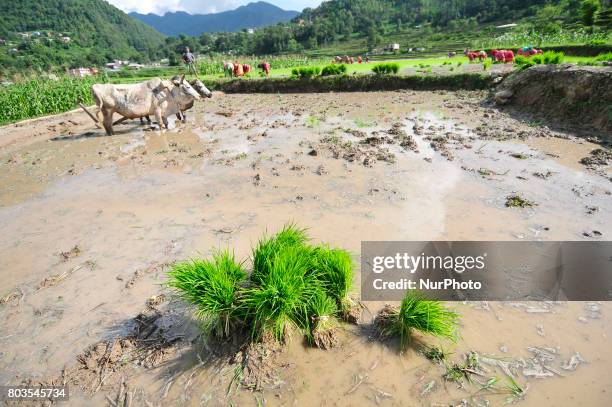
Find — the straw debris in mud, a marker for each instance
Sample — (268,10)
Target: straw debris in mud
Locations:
(517,201)
(149,344)
(435,353)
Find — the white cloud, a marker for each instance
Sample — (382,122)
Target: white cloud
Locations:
(200,7)
(162,6)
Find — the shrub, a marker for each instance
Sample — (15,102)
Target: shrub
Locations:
(553,58)
(604,57)
(596,42)
(333,70)
(305,72)
(210,286)
(386,68)
(547,58)
(523,62)
(415,313)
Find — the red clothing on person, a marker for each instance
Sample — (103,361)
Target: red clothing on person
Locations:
(238,71)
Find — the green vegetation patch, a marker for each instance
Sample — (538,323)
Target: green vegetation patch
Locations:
(40,97)
(386,68)
(333,69)
(547,58)
(517,201)
(211,285)
(293,286)
(416,313)
(305,72)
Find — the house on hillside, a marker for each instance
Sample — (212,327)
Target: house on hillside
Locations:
(117,64)
(82,72)
(392,47)
(250,31)
(24,36)
(65,40)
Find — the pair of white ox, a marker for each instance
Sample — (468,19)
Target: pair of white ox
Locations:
(157,97)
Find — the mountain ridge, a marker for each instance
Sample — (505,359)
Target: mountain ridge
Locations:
(93,32)
(252,15)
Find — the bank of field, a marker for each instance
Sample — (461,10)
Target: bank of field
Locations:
(213,71)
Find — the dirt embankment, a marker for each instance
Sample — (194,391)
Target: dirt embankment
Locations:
(577,97)
(359,83)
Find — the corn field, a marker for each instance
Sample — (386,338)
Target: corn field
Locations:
(39,97)
(514,39)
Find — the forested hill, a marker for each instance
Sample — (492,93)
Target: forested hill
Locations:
(360,14)
(362,25)
(98,33)
(379,16)
(252,15)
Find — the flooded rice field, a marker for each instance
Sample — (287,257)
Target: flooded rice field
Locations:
(90,223)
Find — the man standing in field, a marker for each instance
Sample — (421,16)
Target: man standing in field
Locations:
(189,60)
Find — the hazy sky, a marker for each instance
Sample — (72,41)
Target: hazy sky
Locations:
(201,6)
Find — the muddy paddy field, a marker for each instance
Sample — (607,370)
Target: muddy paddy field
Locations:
(91,223)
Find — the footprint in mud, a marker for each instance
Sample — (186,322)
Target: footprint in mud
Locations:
(592,234)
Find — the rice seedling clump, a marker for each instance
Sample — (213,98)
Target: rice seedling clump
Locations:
(268,248)
(386,68)
(334,270)
(415,313)
(333,69)
(281,299)
(323,332)
(211,286)
(293,287)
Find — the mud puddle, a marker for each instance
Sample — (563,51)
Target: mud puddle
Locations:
(138,201)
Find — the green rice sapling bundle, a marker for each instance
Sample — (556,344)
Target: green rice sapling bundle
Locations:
(323,323)
(280,301)
(335,269)
(268,247)
(211,286)
(415,313)
(293,287)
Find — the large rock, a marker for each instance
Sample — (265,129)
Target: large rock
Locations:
(578,97)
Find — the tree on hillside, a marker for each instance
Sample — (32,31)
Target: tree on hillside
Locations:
(588,11)
(374,38)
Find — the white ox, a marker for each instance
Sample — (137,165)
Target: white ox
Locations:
(153,97)
(187,103)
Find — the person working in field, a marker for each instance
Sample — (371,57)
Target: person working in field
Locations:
(189,60)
